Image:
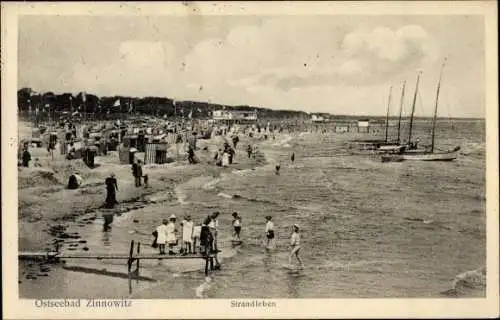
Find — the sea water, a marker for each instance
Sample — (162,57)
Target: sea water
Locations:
(368,229)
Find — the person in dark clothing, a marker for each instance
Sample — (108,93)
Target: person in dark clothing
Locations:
(292,157)
(278,167)
(26,158)
(111,188)
(230,152)
(206,238)
(74,181)
(249,151)
(137,172)
(236,139)
(191,155)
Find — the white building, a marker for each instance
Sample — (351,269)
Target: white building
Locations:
(316,118)
(235,115)
(363,125)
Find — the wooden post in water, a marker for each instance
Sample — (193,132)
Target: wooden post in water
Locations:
(206,266)
(138,253)
(130,259)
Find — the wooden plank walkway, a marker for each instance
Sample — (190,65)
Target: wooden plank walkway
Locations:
(131,257)
(106,256)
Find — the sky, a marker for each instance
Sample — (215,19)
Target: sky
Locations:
(337,64)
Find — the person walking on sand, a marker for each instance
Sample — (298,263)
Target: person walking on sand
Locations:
(26,158)
(170,234)
(161,236)
(249,151)
(187,235)
(269,233)
(292,158)
(236,226)
(137,172)
(295,246)
(111,188)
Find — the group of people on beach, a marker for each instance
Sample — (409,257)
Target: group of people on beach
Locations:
(205,236)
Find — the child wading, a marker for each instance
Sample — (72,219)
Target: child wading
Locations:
(237,226)
(269,233)
(187,235)
(171,238)
(196,236)
(295,245)
(161,236)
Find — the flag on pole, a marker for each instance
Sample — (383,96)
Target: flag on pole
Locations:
(84,96)
(130,107)
(190,115)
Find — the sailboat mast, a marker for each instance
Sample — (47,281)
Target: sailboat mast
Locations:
(401,110)
(413,107)
(387,116)
(436,107)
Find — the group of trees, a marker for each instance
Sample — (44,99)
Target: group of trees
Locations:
(50,102)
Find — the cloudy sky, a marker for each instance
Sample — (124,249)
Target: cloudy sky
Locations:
(337,64)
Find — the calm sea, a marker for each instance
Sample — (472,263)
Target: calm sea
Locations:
(369,229)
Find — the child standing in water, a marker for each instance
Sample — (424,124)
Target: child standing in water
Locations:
(196,235)
(161,236)
(295,245)
(269,233)
(171,237)
(187,235)
(237,226)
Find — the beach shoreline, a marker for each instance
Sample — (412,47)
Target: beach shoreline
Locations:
(38,214)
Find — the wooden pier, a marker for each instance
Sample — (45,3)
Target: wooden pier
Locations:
(131,257)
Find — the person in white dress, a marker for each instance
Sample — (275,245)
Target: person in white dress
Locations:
(161,236)
(213,225)
(187,235)
(171,237)
(196,236)
(225,159)
(269,233)
(295,246)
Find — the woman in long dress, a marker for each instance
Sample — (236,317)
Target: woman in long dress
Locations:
(111,188)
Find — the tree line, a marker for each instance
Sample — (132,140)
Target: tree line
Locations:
(88,103)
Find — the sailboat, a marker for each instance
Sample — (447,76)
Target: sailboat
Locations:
(425,154)
(396,146)
(379,144)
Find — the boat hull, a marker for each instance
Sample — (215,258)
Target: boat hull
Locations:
(422,156)
(446,156)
